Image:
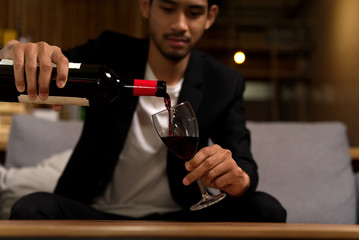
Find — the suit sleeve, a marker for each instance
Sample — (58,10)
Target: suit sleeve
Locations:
(231,132)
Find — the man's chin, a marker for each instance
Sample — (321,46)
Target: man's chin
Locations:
(175,56)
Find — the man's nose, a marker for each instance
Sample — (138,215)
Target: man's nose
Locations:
(179,23)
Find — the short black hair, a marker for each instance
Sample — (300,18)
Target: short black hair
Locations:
(212,2)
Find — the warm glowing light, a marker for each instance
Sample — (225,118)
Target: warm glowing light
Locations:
(239,57)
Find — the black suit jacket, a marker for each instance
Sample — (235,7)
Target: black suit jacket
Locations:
(214,90)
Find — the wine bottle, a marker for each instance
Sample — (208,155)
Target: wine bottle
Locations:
(87,85)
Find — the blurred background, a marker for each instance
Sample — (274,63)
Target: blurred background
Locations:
(301,56)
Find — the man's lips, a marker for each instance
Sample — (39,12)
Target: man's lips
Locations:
(177,41)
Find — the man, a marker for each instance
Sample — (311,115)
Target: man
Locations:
(119,168)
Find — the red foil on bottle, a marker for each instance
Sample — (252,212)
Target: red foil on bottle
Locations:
(144,87)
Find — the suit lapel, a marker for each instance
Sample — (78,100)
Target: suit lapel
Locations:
(193,81)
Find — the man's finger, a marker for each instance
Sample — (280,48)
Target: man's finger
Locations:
(62,66)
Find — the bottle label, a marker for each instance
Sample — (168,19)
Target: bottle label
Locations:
(144,87)
(11,63)
(6,62)
(55,100)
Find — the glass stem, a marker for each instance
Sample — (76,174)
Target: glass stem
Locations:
(202,188)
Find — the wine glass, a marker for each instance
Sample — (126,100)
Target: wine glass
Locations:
(178,129)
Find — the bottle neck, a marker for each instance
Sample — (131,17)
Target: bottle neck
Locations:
(149,88)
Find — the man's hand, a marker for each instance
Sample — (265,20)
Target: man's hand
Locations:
(217,169)
(26,57)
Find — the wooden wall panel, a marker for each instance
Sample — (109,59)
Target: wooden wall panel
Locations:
(69,22)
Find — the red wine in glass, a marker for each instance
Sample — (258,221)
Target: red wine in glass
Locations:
(184,147)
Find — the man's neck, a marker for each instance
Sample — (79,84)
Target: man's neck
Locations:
(171,71)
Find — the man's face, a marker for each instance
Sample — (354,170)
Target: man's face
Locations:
(175,26)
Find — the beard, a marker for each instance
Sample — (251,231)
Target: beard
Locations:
(174,56)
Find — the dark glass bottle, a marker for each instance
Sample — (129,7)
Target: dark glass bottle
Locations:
(87,85)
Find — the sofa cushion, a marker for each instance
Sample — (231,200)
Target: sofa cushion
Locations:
(31,139)
(307,167)
(36,155)
(18,182)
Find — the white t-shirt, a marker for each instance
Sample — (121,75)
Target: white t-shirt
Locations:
(139,186)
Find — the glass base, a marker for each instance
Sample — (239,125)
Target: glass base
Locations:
(207,201)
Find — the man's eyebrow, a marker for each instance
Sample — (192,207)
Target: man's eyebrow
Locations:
(168,1)
(197,6)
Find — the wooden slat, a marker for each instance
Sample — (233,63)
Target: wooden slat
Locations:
(354,153)
(158,229)
(69,23)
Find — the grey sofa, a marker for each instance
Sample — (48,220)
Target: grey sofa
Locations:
(307,166)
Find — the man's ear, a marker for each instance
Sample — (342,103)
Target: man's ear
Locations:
(212,15)
(144,6)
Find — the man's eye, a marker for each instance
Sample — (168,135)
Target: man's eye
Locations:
(195,14)
(167,9)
